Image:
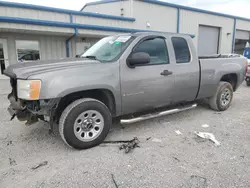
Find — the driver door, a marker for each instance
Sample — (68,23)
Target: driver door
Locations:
(146,86)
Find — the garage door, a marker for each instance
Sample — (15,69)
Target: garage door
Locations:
(243,35)
(208,40)
(241,41)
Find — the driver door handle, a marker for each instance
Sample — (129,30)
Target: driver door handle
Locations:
(166,73)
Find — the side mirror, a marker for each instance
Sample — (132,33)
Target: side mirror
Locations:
(139,58)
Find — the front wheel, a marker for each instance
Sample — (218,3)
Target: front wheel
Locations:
(85,123)
(222,98)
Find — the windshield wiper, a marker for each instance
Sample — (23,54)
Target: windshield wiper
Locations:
(90,57)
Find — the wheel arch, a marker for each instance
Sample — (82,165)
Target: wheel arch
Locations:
(106,96)
(231,78)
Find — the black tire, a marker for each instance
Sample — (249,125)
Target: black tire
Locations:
(71,113)
(248,83)
(215,102)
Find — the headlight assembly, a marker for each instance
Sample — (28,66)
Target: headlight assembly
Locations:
(28,89)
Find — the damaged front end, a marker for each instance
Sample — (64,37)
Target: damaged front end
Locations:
(31,110)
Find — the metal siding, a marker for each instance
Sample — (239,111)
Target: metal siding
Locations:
(102,22)
(190,21)
(243,25)
(208,40)
(161,18)
(95,33)
(110,8)
(35,14)
(36,29)
(64,11)
(50,47)
(12,50)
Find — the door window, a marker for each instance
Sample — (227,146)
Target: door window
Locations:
(156,48)
(181,50)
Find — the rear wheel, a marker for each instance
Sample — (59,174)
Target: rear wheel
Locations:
(248,83)
(222,98)
(85,123)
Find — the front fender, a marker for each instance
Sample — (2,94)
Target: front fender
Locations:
(57,84)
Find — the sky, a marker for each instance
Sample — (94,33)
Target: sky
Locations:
(233,7)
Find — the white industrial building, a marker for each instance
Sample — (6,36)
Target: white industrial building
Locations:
(30,32)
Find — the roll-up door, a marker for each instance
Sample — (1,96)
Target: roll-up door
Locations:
(208,40)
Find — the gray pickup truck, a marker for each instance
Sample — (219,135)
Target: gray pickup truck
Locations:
(129,77)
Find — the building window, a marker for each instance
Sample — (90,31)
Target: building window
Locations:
(27,50)
(156,48)
(181,50)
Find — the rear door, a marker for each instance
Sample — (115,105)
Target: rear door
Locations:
(186,69)
(146,87)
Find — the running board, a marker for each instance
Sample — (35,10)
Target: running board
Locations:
(163,113)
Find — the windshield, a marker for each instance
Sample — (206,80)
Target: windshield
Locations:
(108,48)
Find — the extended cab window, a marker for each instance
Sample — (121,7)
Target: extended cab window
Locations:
(181,50)
(156,48)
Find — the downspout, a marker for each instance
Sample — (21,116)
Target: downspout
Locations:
(178,20)
(70,38)
(234,32)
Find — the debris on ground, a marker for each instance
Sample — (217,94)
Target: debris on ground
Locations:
(208,136)
(232,158)
(39,165)
(113,178)
(205,126)
(148,138)
(12,162)
(198,181)
(9,143)
(175,158)
(130,145)
(178,132)
(217,112)
(156,140)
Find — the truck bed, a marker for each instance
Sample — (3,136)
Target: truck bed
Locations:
(213,68)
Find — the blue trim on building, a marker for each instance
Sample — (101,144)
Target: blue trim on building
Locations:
(234,33)
(194,9)
(178,20)
(68,42)
(71,25)
(51,9)
(99,2)
(63,24)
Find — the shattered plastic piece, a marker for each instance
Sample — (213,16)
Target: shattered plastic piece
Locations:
(130,145)
(39,165)
(208,136)
(205,126)
(178,132)
(156,140)
(12,162)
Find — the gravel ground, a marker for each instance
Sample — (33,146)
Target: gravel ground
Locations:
(173,161)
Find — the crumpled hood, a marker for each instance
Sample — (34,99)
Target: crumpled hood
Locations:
(26,69)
